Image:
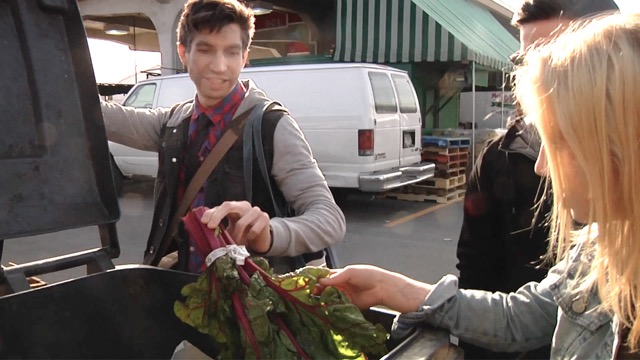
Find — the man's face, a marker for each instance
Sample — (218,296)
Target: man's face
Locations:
(214,61)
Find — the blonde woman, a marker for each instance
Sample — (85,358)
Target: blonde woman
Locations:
(582,93)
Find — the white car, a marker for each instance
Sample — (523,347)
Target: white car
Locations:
(362,121)
(132,162)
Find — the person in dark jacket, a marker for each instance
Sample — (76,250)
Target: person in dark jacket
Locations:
(502,238)
(499,242)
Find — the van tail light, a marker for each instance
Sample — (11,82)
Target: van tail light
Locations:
(365,142)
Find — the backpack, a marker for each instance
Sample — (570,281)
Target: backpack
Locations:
(252,142)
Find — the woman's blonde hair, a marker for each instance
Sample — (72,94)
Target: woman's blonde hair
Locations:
(582,92)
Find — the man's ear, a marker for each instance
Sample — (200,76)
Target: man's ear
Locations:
(182,53)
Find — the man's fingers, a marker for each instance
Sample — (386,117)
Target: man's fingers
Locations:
(208,214)
(230,209)
(247,224)
(250,225)
(261,221)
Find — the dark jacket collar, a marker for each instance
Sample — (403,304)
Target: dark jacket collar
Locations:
(521,138)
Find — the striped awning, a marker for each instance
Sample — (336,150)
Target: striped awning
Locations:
(391,31)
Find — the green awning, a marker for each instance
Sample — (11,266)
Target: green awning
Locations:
(392,31)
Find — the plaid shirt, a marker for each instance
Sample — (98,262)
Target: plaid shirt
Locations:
(220,115)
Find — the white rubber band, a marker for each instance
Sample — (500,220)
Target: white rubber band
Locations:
(214,255)
(236,252)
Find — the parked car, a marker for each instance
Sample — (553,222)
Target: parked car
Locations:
(362,121)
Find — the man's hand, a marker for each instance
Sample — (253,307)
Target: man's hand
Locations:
(248,225)
(367,286)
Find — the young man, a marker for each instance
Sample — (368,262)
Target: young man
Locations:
(502,240)
(213,44)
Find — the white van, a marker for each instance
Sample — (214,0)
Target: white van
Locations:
(362,121)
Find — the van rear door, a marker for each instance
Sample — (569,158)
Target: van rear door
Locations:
(410,120)
(132,161)
(386,123)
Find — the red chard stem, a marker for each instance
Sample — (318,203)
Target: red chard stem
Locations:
(245,324)
(283,326)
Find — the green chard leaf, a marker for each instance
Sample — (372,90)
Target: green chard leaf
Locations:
(283,347)
(327,326)
(262,264)
(258,289)
(257,312)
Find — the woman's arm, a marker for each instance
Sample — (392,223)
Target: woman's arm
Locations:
(519,321)
(367,286)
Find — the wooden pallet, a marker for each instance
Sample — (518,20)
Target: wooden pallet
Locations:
(453,196)
(429,186)
(445,150)
(448,173)
(452,165)
(443,192)
(445,158)
(445,142)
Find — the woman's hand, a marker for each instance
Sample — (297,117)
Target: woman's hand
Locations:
(248,225)
(367,286)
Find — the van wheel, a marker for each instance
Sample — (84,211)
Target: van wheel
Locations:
(340,195)
(118,178)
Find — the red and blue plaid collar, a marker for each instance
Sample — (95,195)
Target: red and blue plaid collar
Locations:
(229,104)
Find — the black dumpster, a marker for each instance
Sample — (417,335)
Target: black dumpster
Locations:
(56,175)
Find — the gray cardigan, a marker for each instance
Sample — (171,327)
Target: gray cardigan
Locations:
(318,223)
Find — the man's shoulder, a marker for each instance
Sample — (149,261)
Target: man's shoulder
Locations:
(522,138)
(273,109)
(273,116)
(492,146)
(179,112)
(492,160)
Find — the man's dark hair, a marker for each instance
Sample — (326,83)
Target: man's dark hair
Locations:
(538,10)
(212,16)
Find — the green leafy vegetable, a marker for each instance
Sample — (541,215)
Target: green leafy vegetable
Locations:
(252,313)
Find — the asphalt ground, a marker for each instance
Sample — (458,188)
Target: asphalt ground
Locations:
(416,238)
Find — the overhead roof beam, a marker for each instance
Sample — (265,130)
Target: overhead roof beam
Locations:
(133,20)
(496,7)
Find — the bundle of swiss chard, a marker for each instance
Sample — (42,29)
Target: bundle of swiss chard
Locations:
(252,313)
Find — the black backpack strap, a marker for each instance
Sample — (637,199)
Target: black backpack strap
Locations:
(254,125)
(296,262)
(262,161)
(252,142)
(247,157)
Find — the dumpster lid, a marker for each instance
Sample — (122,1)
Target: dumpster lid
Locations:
(54,154)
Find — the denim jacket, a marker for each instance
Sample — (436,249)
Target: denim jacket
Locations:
(537,314)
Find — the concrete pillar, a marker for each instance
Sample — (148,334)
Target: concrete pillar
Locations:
(163,14)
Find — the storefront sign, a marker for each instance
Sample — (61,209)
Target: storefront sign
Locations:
(277,19)
(272,20)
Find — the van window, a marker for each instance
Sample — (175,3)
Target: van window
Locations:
(175,90)
(142,96)
(383,95)
(407,100)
